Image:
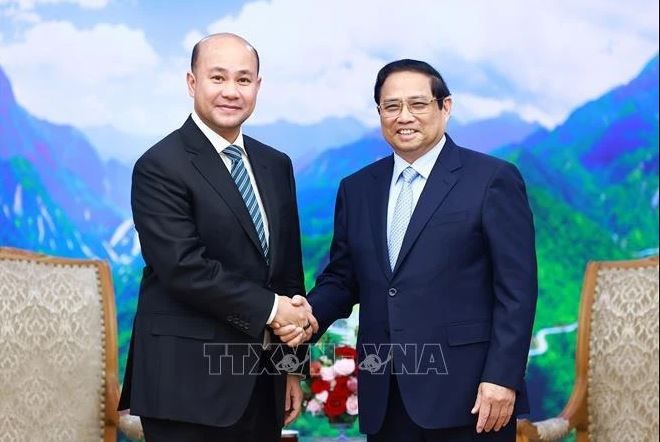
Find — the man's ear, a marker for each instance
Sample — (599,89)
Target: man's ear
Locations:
(191,82)
(446,106)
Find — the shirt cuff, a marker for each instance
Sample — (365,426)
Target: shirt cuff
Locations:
(273,312)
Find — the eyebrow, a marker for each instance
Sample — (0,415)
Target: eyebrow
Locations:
(223,70)
(407,98)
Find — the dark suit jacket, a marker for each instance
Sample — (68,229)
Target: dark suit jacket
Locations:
(464,285)
(206,279)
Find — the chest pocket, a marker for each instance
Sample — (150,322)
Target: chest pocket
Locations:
(448,218)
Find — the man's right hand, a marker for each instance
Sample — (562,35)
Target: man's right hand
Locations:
(296,331)
(289,312)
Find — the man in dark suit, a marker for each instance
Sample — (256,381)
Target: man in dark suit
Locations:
(217,218)
(436,244)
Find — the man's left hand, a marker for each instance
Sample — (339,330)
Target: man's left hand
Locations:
(495,406)
(293,399)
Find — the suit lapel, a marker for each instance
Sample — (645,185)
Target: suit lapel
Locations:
(209,164)
(378,199)
(441,180)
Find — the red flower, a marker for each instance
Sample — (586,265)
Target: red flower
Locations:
(315,368)
(319,385)
(341,380)
(346,352)
(335,405)
(341,385)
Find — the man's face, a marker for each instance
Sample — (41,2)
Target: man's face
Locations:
(412,135)
(224,84)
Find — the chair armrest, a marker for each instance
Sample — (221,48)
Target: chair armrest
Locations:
(131,426)
(573,416)
(547,430)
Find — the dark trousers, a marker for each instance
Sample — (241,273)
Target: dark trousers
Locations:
(399,427)
(258,423)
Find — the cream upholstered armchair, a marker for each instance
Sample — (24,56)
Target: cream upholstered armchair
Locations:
(615,396)
(58,350)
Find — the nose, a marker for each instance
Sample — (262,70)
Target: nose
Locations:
(229,90)
(405,116)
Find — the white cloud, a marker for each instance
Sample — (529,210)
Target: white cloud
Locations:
(474,107)
(320,58)
(107,74)
(190,39)
(27,5)
(18,15)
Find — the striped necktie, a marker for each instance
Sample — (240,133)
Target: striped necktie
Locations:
(401,216)
(242,179)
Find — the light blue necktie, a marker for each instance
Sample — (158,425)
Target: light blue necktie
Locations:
(242,180)
(402,213)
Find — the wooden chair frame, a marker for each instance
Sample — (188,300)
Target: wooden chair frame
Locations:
(111,420)
(576,411)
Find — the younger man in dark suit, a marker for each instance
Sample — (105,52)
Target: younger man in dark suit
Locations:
(218,224)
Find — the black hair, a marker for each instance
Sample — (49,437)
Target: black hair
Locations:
(439,88)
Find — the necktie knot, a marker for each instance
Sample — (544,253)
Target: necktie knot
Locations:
(233,152)
(409,174)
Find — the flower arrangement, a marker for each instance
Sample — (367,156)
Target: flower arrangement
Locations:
(332,387)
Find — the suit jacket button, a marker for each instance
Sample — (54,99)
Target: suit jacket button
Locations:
(392,291)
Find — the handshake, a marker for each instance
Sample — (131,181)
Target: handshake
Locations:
(294,322)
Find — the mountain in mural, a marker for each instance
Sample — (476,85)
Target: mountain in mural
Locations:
(486,135)
(603,162)
(301,142)
(304,142)
(58,197)
(54,177)
(114,144)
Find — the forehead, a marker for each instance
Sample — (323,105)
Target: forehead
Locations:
(227,54)
(406,84)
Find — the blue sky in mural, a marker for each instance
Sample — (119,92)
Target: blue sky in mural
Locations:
(120,65)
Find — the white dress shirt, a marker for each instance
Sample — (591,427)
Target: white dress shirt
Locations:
(219,143)
(423,166)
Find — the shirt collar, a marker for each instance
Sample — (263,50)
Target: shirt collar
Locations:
(218,142)
(423,165)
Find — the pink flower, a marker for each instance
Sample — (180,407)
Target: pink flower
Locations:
(314,407)
(322,396)
(352,405)
(352,384)
(327,373)
(344,367)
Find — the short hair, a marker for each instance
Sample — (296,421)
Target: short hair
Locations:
(439,88)
(195,54)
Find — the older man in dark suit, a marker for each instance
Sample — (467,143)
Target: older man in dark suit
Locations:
(436,244)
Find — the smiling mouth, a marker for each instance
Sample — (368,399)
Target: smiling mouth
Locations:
(229,108)
(406,131)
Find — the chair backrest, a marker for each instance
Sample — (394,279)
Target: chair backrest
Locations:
(622,336)
(58,349)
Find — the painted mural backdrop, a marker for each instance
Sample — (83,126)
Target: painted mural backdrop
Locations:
(591,166)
